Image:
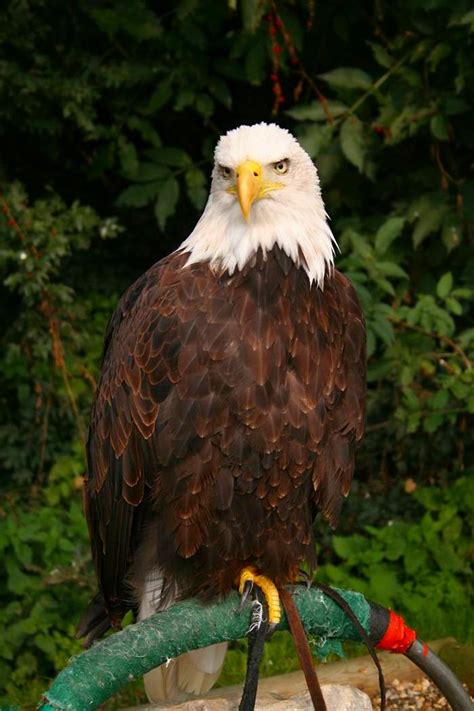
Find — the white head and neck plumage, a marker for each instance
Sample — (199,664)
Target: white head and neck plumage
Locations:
(265,192)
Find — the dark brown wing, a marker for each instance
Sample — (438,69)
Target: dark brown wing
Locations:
(339,415)
(122,461)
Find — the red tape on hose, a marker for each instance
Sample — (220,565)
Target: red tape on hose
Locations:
(398,636)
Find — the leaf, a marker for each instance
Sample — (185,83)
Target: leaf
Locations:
(166,202)
(347,78)
(467,19)
(371,342)
(150,172)
(396,542)
(46,644)
(414,560)
(385,285)
(196,187)
(352,142)
(17,581)
(462,293)
(145,129)
(391,269)
(171,156)
(316,111)
(381,55)
(387,233)
(430,221)
(220,91)
(454,306)
(439,400)
(383,584)
(252,13)
(128,157)
(444,285)
(184,98)
(256,61)
(205,105)
(361,245)
(411,399)
(138,195)
(315,137)
(438,53)
(329,163)
(439,127)
(460,390)
(384,330)
(348,547)
(160,96)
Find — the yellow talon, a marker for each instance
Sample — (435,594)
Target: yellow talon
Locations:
(268,588)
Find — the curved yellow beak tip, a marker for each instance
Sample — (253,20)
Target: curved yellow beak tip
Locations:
(249,183)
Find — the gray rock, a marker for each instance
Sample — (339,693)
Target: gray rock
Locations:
(345,698)
(337,697)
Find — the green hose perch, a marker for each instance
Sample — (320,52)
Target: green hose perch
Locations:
(94,676)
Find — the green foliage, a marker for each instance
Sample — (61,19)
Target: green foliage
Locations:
(45,558)
(108,118)
(46,363)
(420,567)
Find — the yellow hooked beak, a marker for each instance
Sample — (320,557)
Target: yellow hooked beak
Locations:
(250,185)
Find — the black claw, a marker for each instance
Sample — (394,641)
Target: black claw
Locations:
(248,587)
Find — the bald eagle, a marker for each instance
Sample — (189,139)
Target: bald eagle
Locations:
(229,405)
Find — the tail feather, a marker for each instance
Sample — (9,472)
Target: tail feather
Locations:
(94,622)
(191,673)
(161,683)
(199,670)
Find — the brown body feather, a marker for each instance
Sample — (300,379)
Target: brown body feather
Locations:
(226,415)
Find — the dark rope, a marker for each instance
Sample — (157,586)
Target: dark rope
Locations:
(339,600)
(254,656)
(303,650)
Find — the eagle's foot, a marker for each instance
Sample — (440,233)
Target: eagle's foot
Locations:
(248,578)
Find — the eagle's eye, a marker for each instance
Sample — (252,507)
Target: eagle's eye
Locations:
(225,171)
(281,167)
